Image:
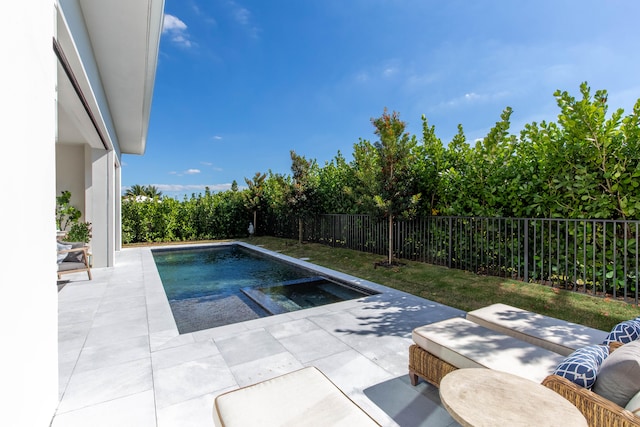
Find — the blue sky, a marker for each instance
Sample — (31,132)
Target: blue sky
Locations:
(241,83)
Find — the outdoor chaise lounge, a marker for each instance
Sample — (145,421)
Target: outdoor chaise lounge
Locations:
(529,345)
(73,257)
(303,397)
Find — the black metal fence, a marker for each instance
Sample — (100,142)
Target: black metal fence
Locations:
(598,257)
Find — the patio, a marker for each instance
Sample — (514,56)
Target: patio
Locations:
(122,361)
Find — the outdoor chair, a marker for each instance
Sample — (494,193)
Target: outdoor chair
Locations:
(73,257)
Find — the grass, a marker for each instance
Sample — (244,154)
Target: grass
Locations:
(460,289)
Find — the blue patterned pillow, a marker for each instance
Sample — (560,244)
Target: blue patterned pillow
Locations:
(581,366)
(624,332)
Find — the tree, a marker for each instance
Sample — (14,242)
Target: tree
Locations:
(335,187)
(149,191)
(385,170)
(254,196)
(135,190)
(152,192)
(600,177)
(302,193)
(428,168)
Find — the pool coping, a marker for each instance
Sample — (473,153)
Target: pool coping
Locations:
(161,324)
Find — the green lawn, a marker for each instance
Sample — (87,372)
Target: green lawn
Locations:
(460,289)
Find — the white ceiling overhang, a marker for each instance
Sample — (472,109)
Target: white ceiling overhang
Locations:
(106,87)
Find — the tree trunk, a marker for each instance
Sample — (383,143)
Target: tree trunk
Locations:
(390,239)
(255,223)
(300,230)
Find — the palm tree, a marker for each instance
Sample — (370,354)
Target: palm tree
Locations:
(148,191)
(135,191)
(152,192)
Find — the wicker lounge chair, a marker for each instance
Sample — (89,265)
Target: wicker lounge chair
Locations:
(597,410)
(76,259)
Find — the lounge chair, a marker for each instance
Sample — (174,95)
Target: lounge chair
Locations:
(73,257)
(302,397)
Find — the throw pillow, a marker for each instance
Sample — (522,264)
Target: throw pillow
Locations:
(624,332)
(634,405)
(581,366)
(75,256)
(619,376)
(62,247)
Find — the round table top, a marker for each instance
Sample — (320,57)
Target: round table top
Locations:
(484,397)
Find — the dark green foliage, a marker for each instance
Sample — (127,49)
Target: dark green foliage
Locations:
(79,232)
(384,172)
(68,219)
(66,214)
(585,165)
(149,191)
(302,195)
(254,199)
(202,217)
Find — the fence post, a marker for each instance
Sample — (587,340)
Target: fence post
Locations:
(526,250)
(450,241)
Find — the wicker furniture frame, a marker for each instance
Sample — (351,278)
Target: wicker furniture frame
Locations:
(596,409)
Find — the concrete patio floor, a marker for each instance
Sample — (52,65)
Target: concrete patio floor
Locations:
(122,361)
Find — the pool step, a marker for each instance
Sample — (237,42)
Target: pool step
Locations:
(274,304)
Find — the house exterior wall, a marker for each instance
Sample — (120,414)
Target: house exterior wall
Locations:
(28,307)
(70,176)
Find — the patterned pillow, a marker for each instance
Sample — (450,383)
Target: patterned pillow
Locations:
(624,332)
(581,366)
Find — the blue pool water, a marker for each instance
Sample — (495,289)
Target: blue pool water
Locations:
(214,286)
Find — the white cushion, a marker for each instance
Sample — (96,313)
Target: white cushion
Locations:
(465,344)
(634,405)
(62,247)
(553,334)
(619,376)
(300,398)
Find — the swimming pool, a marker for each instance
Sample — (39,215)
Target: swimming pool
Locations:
(210,286)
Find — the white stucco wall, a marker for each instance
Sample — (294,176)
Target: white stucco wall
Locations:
(71,159)
(28,307)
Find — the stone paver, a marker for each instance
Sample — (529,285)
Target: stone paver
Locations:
(122,361)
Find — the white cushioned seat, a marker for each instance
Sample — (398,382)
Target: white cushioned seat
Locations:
(301,398)
(465,344)
(548,332)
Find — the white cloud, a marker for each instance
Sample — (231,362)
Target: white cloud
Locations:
(172,23)
(176,30)
(362,77)
(216,137)
(242,16)
(210,165)
(389,71)
(186,172)
(374,73)
(470,98)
